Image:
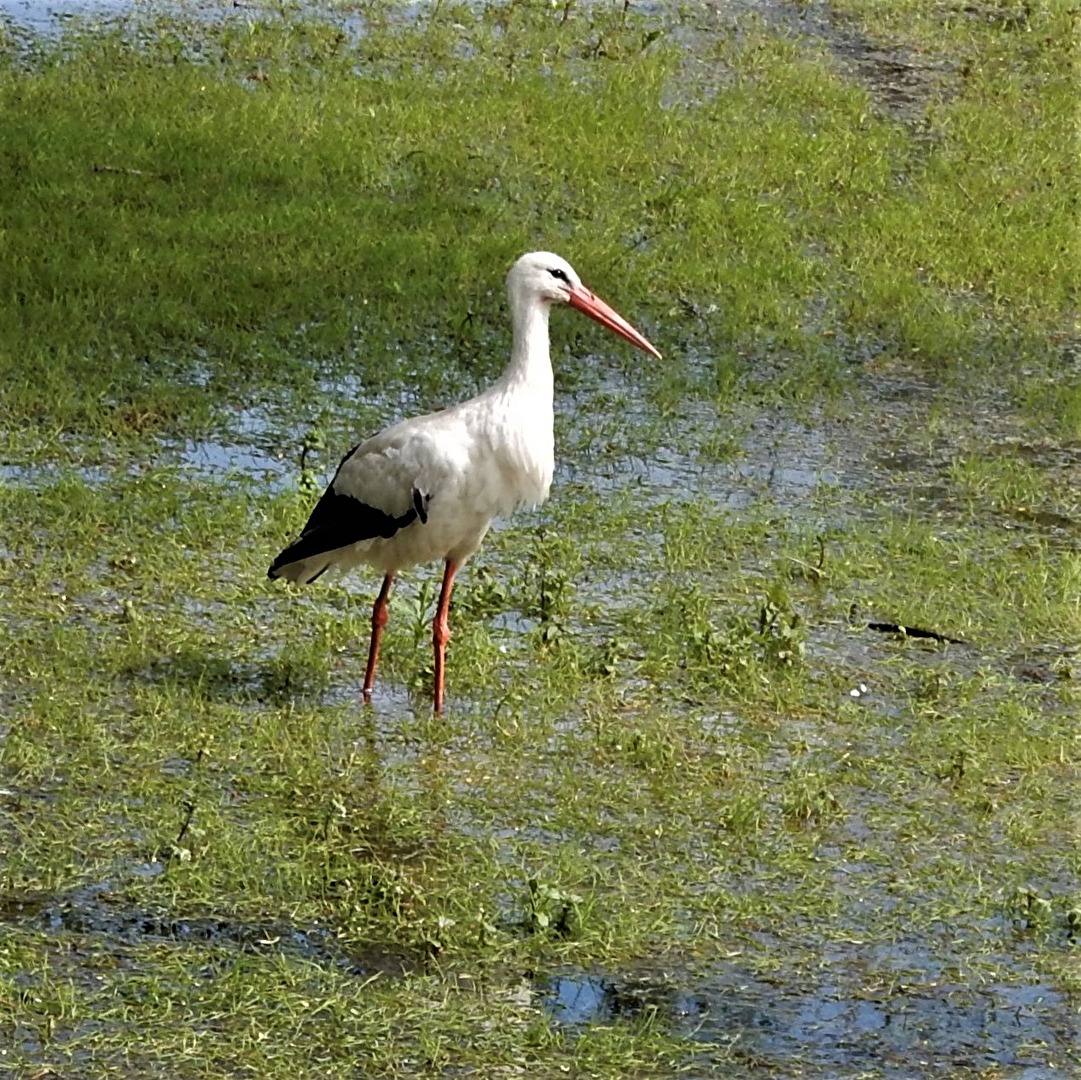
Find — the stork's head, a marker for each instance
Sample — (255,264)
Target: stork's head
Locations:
(542,275)
(543,278)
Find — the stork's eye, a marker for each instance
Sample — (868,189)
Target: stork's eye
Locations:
(561,274)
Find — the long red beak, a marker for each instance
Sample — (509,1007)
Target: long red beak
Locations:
(592,305)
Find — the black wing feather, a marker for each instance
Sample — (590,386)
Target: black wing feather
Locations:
(339,520)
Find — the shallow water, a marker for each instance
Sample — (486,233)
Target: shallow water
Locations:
(918,1027)
(44,17)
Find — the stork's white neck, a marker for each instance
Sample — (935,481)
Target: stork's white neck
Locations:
(530,357)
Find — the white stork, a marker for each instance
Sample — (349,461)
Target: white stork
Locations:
(428,488)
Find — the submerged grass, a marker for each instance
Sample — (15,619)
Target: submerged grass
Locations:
(675,753)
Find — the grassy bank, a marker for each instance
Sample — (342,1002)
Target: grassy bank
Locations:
(245,195)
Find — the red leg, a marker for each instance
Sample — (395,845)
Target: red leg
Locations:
(441,630)
(380,615)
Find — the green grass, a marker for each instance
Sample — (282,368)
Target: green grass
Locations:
(674,757)
(165,212)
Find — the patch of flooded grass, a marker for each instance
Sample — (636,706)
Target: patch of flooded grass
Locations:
(660,754)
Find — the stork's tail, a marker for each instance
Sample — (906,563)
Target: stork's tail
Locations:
(303,561)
